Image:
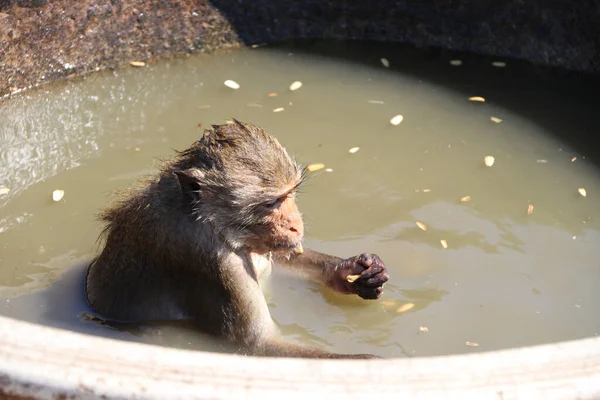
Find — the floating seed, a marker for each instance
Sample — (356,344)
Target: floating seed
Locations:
(57,195)
(385,62)
(496,120)
(328,170)
(280,109)
(472,344)
(444,243)
(477,98)
(426,190)
(352,278)
(375,101)
(353,150)
(499,64)
(137,63)
(582,192)
(405,307)
(396,120)
(423,329)
(489,161)
(254,105)
(573,159)
(272,94)
(232,84)
(4,190)
(456,63)
(138,149)
(295,85)
(421,225)
(465,199)
(529,209)
(315,167)
(388,303)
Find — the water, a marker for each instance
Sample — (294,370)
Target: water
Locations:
(506,279)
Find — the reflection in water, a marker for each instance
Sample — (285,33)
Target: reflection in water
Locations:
(506,279)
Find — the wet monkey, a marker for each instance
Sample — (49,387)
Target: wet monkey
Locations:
(191,243)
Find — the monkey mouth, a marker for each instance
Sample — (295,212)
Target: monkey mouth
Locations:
(286,246)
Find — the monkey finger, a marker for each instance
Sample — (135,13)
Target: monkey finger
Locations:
(366,259)
(369,293)
(372,271)
(376,281)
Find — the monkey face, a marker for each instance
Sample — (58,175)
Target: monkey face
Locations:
(280,226)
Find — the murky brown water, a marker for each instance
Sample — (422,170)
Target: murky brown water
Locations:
(506,279)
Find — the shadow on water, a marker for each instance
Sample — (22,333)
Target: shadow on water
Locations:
(564,103)
(542,91)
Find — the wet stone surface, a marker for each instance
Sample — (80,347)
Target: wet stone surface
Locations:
(41,40)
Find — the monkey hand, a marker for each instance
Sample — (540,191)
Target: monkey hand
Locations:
(363,275)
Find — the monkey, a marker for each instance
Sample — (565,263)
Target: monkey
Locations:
(191,242)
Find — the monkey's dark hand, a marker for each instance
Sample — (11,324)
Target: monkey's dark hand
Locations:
(363,275)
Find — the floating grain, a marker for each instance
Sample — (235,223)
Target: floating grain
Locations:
(405,307)
(582,192)
(456,63)
(444,243)
(272,94)
(496,120)
(204,107)
(477,99)
(232,84)
(529,209)
(385,62)
(315,167)
(426,190)
(489,161)
(328,170)
(573,159)
(423,329)
(4,190)
(375,101)
(295,85)
(421,225)
(137,63)
(472,344)
(58,194)
(352,278)
(279,109)
(499,64)
(465,199)
(396,120)
(353,150)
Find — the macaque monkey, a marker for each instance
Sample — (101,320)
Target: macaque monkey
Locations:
(192,242)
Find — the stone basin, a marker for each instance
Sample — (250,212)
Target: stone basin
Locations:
(42,41)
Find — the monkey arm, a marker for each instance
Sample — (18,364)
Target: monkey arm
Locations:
(317,266)
(250,326)
(368,270)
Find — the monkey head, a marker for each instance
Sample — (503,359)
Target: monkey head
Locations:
(241,180)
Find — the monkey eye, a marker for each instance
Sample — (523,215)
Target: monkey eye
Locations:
(271,203)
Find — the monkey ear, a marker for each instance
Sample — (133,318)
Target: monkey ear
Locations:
(189,180)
